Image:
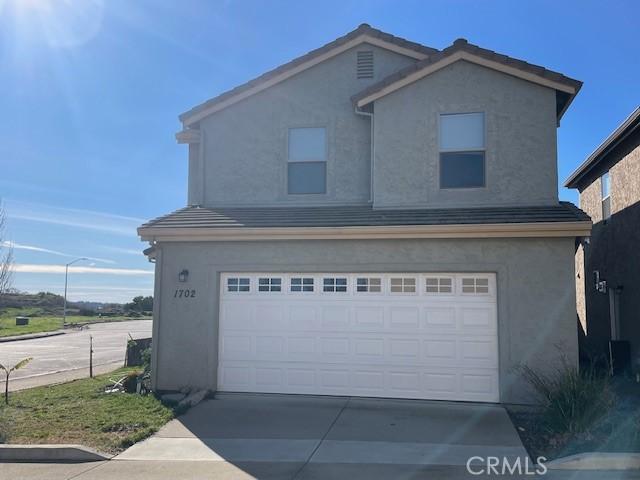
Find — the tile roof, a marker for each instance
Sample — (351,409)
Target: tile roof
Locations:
(353,216)
(363,29)
(462,44)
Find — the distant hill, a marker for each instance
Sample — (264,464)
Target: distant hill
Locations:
(52,304)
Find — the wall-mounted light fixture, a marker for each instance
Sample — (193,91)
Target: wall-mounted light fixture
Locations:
(183,276)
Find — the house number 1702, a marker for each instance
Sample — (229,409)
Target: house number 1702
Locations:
(182,293)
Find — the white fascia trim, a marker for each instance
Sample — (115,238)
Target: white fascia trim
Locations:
(197,116)
(188,135)
(497,230)
(469,57)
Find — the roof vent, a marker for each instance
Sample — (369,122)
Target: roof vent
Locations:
(365,64)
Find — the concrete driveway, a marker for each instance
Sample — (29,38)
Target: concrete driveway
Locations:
(326,437)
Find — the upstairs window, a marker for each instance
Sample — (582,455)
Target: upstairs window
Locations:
(307,161)
(605,181)
(462,150)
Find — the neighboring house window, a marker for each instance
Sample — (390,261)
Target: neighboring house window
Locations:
(364,64)
(238,284)
(369,284)
(269,284)
(462,150)
(335,284)
(606,195)
(307,161)
(300,284)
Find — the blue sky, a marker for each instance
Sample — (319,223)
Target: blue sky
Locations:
(91,90)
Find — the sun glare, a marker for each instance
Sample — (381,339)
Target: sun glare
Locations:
(62,23)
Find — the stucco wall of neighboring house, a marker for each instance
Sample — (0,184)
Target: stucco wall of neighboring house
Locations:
(613,249)
(520,123)
(536,295)
(245,145)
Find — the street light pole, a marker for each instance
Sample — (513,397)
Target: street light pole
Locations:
(66,275)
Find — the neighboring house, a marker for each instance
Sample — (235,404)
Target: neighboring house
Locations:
(608,265)
(374,218)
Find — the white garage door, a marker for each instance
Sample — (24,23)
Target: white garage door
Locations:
(431,336)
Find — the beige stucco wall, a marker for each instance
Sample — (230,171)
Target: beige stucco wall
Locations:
(520,123)
(536,295)
(245,145)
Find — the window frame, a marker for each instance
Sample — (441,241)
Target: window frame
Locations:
(368,279)
(227,285)
(475,285)
(416,285)
(307,162)
(270,284)
(482,150)
(334,284)
(605,199)
(439,285)
(302,284)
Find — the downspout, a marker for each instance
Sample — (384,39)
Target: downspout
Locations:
(371,149)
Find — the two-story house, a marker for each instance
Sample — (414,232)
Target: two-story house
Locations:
(608,265)
(373,218)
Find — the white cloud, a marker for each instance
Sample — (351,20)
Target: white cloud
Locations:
(33,248)
(73,217)
(126,251)
(42,268)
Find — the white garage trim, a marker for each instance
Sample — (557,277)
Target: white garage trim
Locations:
(402,335)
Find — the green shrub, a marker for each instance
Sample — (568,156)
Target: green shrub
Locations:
(573,400)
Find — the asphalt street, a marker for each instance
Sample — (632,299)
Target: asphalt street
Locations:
(53,356)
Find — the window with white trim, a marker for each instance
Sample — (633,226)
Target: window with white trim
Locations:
(403,285)
(301,284)
(334,284)
(269,284)
(439,285)
(605,190)
(307,161)
(475,285)
(368,285)
(238,284)
(462,150)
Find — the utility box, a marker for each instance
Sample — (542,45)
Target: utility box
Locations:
(21,321)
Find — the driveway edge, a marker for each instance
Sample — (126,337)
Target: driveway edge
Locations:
(50,453)
(596,461)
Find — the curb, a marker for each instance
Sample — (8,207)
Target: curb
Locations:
(31,336)
(50,453)
(596,461)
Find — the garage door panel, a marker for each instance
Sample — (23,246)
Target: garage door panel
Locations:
(407,345)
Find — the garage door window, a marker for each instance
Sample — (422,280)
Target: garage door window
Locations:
(338,284)
(302,284)
(237,284)
(403,285)
(438,285)
(269,284)
(475,285)
(369,285)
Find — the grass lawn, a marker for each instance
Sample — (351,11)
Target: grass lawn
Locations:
(40,322)
(80,412)
(617,430)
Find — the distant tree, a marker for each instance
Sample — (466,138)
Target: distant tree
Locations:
(140,304)
(6,256)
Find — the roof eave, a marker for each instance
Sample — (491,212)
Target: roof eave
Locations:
(499,230)
(618,135)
